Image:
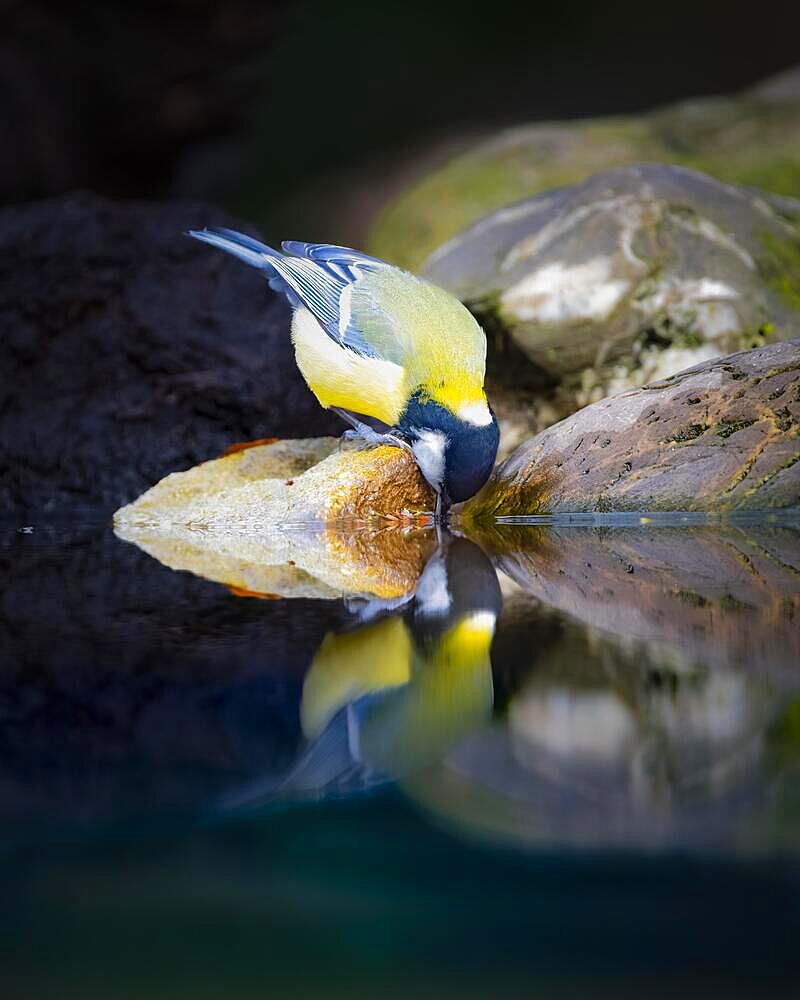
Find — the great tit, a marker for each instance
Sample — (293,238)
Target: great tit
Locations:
(376,341)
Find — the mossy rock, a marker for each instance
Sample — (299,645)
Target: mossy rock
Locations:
(630,276)
(751,138)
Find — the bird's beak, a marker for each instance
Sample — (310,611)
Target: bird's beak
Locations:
(443,505)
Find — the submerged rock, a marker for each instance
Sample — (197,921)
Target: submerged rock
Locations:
(751,138)
(724,435)
(631,276)
(128,351)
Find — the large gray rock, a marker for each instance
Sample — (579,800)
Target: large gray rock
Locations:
(724,435)
(632,275)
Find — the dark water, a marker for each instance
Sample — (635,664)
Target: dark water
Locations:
(563,762)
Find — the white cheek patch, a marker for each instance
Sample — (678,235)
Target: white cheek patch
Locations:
(429,449)
(477,414)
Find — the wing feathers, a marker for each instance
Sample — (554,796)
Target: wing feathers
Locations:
(318,276)
(318,290)
(342,259)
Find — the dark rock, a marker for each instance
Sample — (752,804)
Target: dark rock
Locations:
(131,352)
(724,435)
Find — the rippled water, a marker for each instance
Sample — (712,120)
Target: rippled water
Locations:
(560,758)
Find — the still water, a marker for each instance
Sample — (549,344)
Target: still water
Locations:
(559,758)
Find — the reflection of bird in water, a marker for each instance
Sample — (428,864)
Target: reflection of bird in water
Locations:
(388,698)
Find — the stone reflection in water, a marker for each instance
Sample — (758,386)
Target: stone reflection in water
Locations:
(312,561)
(650,757)
(710,594)
(668,718)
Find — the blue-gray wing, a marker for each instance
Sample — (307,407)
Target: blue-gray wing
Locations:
(317,276)
(348,264)
(323,276)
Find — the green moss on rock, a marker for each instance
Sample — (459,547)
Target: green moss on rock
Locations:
(725,428)
(747,139)
(779,266)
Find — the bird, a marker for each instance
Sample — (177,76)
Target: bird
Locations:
(374,341)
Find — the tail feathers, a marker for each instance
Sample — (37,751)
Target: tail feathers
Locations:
(244,247)
(329,768)
(331,765)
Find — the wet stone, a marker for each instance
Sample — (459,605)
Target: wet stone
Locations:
(287,482)
(721,436)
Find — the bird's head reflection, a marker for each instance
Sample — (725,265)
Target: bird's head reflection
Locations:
(387,698)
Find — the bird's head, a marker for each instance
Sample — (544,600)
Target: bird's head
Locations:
(455,451)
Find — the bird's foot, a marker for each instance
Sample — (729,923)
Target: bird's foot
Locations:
(363,433)
(351,434)
(373,438)
(359,431)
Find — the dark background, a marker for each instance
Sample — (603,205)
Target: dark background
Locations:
(284,111)
(130,351)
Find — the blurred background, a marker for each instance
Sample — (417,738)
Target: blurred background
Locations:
(305,117)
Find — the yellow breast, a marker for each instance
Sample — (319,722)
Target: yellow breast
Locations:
(340,377)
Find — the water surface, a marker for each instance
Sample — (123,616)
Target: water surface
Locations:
(562,756)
